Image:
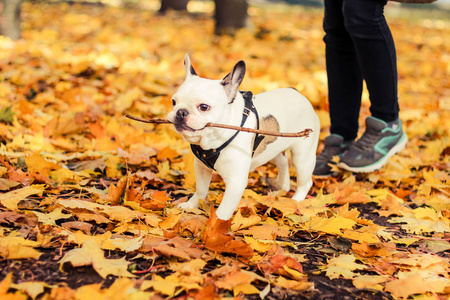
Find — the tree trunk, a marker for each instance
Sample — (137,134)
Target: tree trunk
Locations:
(10,18)
(230,15)
(173,4)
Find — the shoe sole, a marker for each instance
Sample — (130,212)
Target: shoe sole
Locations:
(379,164)
(333,174)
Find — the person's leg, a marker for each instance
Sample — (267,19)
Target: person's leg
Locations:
(344,87)
(375,50)
(383,136)
(345,79)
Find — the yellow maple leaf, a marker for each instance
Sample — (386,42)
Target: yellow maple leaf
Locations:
(343,265)
(126,100)
(194,266)
(168,285)
(50,218)
(239,222)
(32,288)
(361,236)
(12,198)
(392,205)
(80,238)
(90,254)
(113,167)
(257,245)
(415,284)
(5,285)
(366,249)
(36,163)
(189,176)
(296,285)
(427,213)
(369,281)
(124,244)
(12,247)
(410,223)
(245,288)
(91,291)
(332,225)
(170,221)
(64,176)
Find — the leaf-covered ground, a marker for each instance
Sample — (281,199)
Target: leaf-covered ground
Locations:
(88,197)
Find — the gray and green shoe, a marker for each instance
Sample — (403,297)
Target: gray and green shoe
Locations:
(379,142)
(334,146)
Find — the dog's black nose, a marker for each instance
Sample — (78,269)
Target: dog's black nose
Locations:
(182,113)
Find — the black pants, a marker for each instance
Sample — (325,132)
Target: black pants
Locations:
(359,46)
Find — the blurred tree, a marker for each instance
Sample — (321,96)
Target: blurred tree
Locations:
(10,18)
(173,4)
(230,15)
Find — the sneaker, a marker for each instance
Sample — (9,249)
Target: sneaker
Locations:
(379,142)
(334,145)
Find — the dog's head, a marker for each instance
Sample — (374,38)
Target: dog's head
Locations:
(199,101)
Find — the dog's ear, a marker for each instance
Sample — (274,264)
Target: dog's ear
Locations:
(233,80)
(188,69)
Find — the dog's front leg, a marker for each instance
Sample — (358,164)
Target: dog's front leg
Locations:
(202,180)
(236,181)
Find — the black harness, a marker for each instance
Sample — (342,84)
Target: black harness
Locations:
(209,157)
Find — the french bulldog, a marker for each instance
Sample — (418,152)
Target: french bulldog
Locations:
(233,154)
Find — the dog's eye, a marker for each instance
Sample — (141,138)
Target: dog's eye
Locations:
(203,107)
(174,102)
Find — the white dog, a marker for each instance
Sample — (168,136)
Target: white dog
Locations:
(233,154)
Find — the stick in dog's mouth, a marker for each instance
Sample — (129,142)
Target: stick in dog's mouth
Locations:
(303,133)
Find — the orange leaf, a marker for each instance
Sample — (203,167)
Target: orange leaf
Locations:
(37,164)
(96,129)
(115,192)
(207,293)
(157,201)
(216,238)
(370,250)
(276,264)
(351,195)
(215,231)
(132,193)
(167,154)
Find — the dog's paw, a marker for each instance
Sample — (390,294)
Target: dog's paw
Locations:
(186,205)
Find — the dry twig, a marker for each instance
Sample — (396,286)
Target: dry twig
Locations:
(303,133)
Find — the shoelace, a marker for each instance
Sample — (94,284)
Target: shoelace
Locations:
(328,153)
(367,141)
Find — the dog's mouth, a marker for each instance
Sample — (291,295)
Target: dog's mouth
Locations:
(181,126)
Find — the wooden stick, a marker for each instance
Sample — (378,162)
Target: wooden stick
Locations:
(153,121)
(304,133)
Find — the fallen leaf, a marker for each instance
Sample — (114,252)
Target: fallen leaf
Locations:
(216,238)
(12,198)
(18,248)
(296,285)
(279,264)
(90,254)
(32,289)
(343,265)
(368,281)
(332,225)
(6,184)
(415,284)
(50,218)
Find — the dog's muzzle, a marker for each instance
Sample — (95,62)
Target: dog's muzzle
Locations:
(180,120)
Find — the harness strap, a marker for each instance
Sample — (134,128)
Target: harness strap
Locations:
(209,157)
